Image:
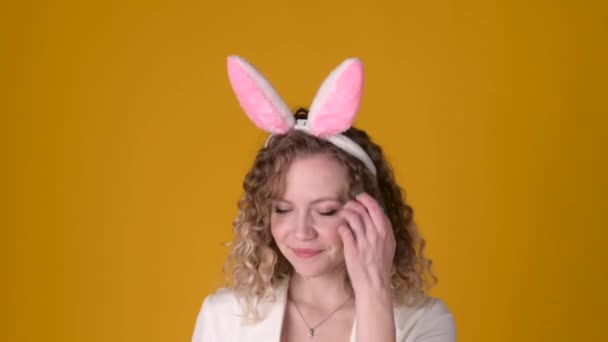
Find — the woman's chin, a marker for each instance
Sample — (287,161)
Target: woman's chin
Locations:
(313,271)
(307,271)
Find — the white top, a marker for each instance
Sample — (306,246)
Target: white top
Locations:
(220,320)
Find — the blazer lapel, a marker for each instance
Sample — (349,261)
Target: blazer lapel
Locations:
(353,332)
(268,329)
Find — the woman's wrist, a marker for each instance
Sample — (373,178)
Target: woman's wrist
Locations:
(375,315)
(373,286)
(373,295)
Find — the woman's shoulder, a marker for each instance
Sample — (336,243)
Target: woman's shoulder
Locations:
(432,317)
(222,300)
(430,306)
(213,320)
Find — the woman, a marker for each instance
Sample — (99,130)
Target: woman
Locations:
(325,248)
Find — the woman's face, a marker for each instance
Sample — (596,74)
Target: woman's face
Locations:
(305,219)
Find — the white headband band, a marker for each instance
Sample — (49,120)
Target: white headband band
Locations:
(332,112)
(342,141)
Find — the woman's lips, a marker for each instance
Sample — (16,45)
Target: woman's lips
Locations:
(305,253)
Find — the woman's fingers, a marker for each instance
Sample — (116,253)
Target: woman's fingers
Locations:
(356,224)
(369,243)
(348,239)
(376,213)
(370,230)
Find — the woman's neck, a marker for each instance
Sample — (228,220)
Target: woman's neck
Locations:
(324,291)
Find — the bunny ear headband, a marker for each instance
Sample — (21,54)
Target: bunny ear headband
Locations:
(332,112)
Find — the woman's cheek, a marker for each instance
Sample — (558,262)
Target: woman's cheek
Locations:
(329,225)
(340,221)
(278,226)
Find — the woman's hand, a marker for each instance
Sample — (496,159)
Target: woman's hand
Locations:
(369,245)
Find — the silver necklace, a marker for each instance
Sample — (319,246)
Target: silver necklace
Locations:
(311,330)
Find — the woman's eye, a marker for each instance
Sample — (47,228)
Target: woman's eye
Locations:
(280,211)
(329,212)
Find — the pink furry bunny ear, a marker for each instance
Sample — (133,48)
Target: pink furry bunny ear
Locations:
(257,97)
(336,104)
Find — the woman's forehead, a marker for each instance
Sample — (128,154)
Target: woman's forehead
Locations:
(315,177)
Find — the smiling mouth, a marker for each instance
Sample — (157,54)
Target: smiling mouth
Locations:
(305,253)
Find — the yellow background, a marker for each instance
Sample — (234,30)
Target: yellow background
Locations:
(125,150)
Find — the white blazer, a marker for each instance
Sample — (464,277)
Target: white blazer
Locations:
(219,320)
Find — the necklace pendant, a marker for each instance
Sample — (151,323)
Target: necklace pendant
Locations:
(311,332)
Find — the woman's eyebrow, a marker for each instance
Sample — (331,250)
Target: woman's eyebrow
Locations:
(327,198)
(317,200)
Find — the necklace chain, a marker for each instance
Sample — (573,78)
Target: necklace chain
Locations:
(311,330)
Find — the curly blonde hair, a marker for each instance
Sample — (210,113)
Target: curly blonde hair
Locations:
(255,264)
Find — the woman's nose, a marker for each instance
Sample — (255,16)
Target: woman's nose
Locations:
(304,228)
